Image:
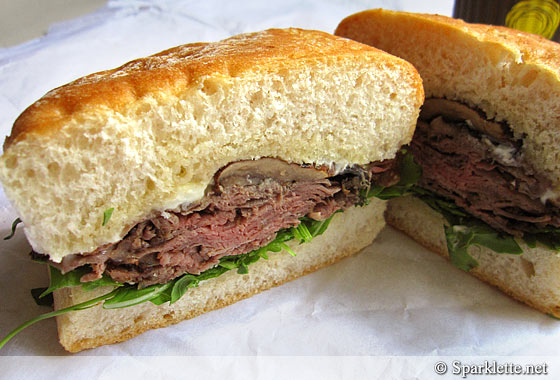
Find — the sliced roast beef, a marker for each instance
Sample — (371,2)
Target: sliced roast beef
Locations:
(480,166)
(249,202)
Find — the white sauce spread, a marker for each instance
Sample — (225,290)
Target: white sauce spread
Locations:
(503,152)
(186,195)
(549,194)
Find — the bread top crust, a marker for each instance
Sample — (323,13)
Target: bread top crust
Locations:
(150,135)
(172,71)
(511,75)
(526,47)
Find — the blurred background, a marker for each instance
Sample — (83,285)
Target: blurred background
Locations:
(22,20)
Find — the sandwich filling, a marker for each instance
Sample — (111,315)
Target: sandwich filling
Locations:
(243,210)
(479,165)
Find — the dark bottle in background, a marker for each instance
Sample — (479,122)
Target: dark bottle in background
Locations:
(535,16)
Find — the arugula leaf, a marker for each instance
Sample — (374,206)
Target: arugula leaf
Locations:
(550,239)
(80,306)
(465,230)
(14,226)
(243,268)
(450,211)
(105,280)
(530,240)
(409,170)
(107,215)
(317,227)
(302,233)
(59,280)
(181,286)
(227,264)
(72,278)
(486,236)
(458,241)
(162,297)
(130,296)
(409,173)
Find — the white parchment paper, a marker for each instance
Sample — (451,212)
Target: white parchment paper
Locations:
(395,298)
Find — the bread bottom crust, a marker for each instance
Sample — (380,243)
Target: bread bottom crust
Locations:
(532,278)
(348,233)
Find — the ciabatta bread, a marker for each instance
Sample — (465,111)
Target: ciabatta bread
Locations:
(509,77)
(150,135)
(139,145)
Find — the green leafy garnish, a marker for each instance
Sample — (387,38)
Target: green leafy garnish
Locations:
(125,295)
(185,283)
(14,226)
(301,233)
(458,241)
(72,278)
(107,215)
(530,240)
(465,230)
(130,296)
(80,306)
(409,173)
(460,238)
(550,239)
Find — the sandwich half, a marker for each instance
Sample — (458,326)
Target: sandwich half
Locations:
(185,181)
(488,143)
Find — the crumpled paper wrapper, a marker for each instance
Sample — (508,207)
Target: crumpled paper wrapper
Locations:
(395,298)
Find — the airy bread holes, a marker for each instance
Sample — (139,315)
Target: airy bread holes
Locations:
(528,78)
(528,267)
(57,202)
(69,173)
(54,169)
(359,81)
(30,173)
(209,87)
(257,98)
(182,172)
(11,163)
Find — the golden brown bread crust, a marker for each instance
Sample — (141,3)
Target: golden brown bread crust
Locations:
(534,48)
(173,71)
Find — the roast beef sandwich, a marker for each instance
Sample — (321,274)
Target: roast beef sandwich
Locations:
(488,143)
(185,181)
